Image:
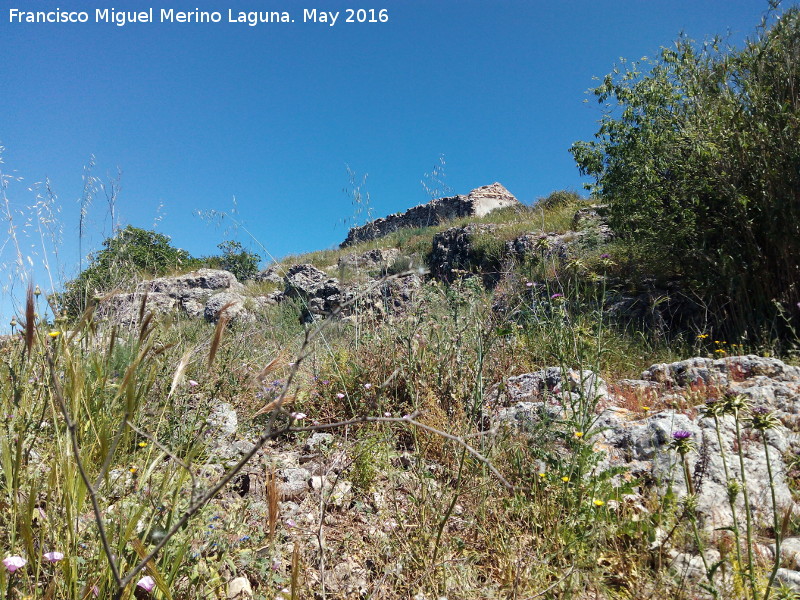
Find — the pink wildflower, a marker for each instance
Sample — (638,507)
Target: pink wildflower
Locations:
(53,557)
(147,583)
(12,563)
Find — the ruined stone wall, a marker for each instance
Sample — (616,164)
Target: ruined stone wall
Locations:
(479,202)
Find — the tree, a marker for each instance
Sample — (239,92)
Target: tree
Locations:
(698,157)
(130,255)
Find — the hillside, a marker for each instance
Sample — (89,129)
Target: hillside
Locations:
(493,406)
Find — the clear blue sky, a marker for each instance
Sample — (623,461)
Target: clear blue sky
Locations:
(197,114)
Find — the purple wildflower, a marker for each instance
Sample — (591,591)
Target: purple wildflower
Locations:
(681,434)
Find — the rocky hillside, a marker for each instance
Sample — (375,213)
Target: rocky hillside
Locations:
(487,407)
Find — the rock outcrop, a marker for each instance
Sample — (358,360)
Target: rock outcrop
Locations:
(454,251)
(378,259)
(641,439)
(189,294)
(477,203)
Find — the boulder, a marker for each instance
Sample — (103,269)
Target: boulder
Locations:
(454,251)
(320,294)
(273,274)
(235,311)
(186,294)
(124,309)
(593,219)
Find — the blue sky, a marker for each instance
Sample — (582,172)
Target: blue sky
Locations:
(197,114)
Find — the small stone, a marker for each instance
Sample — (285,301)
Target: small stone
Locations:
(239,588)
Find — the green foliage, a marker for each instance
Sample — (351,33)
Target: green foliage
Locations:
(697,156)
(130,254)
(237,260)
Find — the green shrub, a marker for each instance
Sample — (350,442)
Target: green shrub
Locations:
(128,255)
(697,157)
(237,260)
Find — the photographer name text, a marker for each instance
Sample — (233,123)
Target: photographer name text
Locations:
(169,15)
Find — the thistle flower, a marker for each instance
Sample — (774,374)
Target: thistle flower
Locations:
(762,418)
(12,563)
(713,408)
(147,583)
(556,296)
(681,441)
(734,404)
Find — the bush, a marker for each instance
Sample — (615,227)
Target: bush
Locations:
(697,156)
(132,253)
(237,260)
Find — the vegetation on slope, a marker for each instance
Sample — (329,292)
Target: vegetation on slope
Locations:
(117,482)
(697,156)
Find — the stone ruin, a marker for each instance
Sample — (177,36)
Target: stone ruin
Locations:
(479,202)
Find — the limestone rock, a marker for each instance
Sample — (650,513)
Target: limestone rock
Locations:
(196,284)
(593,219)
(370,260)
(789,578)
(183,293)
(273,274)
(454,250)
(553,380)
(320,294)
(544,246)
(294,482)
(239,588)
(235,310)
(487,198)
(223,421)
(124,309)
